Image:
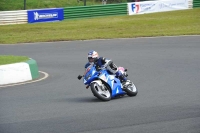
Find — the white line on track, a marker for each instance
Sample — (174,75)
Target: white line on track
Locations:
(45,76)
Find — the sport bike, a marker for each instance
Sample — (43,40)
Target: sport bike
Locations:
(105,85)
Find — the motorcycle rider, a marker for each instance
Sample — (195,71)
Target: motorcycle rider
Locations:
(93,58)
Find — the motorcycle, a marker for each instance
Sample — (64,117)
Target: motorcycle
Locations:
(105,85)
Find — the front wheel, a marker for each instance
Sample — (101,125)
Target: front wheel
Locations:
(131,90)
(100,91)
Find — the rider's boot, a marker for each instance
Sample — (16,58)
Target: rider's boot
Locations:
(122,79)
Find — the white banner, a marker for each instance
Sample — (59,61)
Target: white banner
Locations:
(156,6)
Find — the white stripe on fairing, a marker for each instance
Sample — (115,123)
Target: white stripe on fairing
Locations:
(14,73)
(45,76)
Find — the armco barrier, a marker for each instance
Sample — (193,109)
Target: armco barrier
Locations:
(13,17)
(190,4)
(94,11)
(196,3)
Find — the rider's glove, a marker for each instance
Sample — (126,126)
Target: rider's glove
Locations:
(98,68)
(103,60)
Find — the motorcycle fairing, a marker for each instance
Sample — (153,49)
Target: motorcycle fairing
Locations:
(113,82)
(91,74)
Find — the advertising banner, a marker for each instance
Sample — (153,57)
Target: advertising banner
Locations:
(156,6)
(45,15)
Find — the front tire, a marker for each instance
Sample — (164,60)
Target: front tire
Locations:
(131,90)
(101,93)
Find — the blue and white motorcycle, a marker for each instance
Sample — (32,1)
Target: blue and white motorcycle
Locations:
(106,86)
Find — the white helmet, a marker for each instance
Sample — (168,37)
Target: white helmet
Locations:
(92,56)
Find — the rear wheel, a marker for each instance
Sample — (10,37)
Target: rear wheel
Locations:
(100,91)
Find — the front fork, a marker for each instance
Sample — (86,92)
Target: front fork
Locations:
(98,81)
(100,84)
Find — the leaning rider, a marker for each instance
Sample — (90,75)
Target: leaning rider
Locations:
(93,58)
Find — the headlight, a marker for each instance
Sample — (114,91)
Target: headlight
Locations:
(88,77)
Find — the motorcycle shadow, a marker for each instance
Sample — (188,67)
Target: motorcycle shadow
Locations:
(92,99)
(83,100)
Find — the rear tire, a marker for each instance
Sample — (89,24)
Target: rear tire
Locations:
(101,93)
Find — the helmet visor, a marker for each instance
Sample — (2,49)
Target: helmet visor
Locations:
(90,59)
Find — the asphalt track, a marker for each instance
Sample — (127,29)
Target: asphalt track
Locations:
(166,71)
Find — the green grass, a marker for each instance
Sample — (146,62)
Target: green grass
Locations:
(9,59)
(185,22)
(6,5)
(36,4)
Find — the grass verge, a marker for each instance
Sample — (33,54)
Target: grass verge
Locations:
(6,5)
(9,59)
(185,22)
